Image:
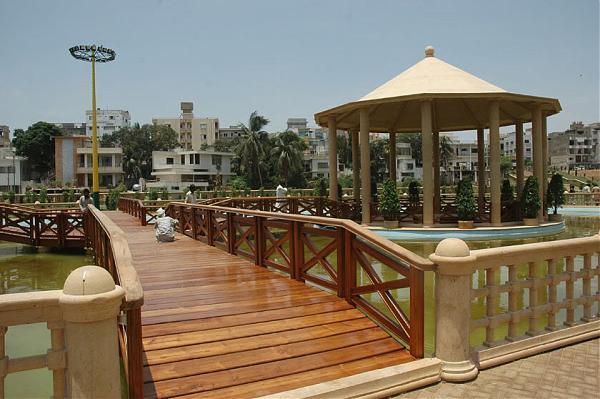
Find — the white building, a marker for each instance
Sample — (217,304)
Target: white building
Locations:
(10,170)
(107,121)
(406,166)
(229,133)
(508,145)
(179,168)
(193,133)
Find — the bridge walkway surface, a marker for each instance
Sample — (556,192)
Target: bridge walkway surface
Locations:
(216,325)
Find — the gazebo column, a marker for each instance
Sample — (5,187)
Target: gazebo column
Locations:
(480,171)
(520,157)
(538,162)
(332,149)
(365,166)
(495,163)
(392,164)
(546,160)
(436,173)
(427,153)
(355,165)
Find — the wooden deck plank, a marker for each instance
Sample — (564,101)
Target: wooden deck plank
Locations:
(215,324)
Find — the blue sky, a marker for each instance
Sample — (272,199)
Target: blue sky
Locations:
(284,58)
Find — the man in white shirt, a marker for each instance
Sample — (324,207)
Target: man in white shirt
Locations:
(190,197)
(280,192)
(164,227)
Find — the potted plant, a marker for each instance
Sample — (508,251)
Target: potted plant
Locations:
(506,192)
(465,204)
(530,201)
(389,205)
(414,200)
(555,197)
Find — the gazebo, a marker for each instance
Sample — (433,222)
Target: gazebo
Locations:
(431,97)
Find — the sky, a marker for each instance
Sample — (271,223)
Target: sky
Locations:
(284,58)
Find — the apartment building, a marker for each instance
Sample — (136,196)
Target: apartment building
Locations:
(107,121)
(177,169)
(4,136)
(406,165)
(193,133)
(73,162)
(72,128)
(508,145)
(11,170)
(576,147)
(229,133)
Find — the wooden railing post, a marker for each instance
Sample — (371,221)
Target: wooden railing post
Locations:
(259,239)
(209,228)
(341,262)
(194,224)
(296,250)
(135,361)
(417,312)
(231,234)
(142,215)
(349,266)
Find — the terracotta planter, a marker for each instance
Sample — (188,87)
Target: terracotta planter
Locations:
(466,224)
(555,217)
(390,224)
(531,222)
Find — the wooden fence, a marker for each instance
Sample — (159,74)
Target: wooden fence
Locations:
(111,251)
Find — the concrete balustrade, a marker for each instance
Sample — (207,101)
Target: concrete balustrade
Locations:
(82,318)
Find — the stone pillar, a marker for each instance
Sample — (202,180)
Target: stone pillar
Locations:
(332,150)
(480,171)
(365,166)
(427,152)
(538,163)
(392,164)
(437,200)
(546,160)
(90,303)
(520,150)
(453,270)
(355,165)
(495,176)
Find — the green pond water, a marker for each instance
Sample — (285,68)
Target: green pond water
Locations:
(24,268)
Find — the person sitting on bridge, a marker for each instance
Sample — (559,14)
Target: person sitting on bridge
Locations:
(164,227)
(84,200)
(190,197)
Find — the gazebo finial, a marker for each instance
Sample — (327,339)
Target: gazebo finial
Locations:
(429,50)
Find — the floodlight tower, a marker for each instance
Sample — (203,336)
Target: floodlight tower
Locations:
(94,54)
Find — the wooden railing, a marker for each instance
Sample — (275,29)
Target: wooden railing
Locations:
(381,278)
(531,275)
(111,251)
(52,228)
(34,307)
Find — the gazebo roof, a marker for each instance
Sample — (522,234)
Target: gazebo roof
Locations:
(460,101)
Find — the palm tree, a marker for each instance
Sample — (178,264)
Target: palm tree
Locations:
(251,149)
(288,151)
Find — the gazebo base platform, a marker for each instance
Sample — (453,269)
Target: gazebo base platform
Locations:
(482,231)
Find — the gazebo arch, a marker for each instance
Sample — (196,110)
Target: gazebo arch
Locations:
(431,97)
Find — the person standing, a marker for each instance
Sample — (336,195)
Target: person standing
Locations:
(280,193)
(190,196)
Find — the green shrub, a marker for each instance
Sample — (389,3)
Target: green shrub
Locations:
(164,194)
(389,205)
(112,198)
(465,200)
(68,195)
(530,199)
(11,196)
(413,192)
(43,194)
(506,192)
(30,196)
(152,194)
(555,197)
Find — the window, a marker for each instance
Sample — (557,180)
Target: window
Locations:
(410,166)
(81,160)
(473,150)
(106,161)
(204,136)
(111,117)
(197,159)
(191,156)
(183,159)
(169,161)
(217,160)
(322,165)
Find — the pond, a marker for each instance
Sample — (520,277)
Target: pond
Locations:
(22,269)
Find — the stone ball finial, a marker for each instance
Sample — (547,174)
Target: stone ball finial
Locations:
(88,280)
(429,51)
(452,248)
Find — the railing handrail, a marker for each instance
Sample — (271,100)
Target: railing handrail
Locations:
(381,242)
(16,303)
(533,252)
(128,277)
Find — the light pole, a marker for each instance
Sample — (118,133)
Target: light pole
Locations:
(94,54)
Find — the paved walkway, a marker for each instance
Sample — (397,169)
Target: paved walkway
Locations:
(570,372)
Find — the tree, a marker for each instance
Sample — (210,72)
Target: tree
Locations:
(251,150)
(389,205)
(344,150)
(555,196)
(506,191)
(225,145)
(465,200)
(379,154)
(37,146)
(287,151)
(137,144)
(530,198)
(506,165)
